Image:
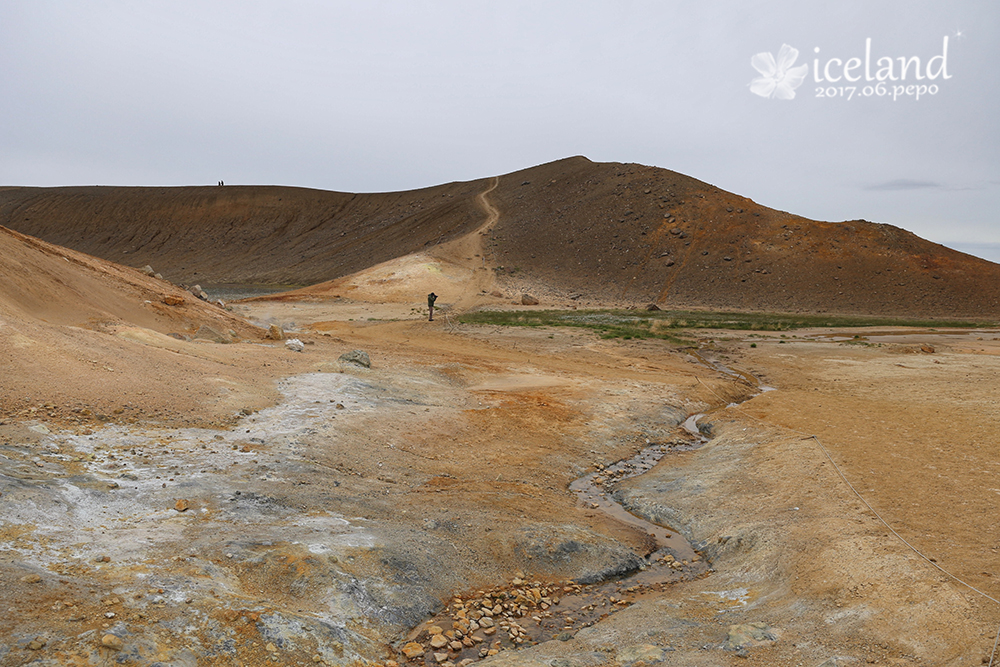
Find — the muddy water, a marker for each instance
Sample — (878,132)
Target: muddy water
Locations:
(484,623)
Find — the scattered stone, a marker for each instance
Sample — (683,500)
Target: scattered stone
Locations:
(438,641)
(182,505)
(652,306)
(37,643)
(295,345)
(929,349)
(413,650)
(528,300)
(748,635)
(644,653)
(440,657)
(172,300)
(113,642)
(274,332)
(359,357)
(148,270)
(31,579)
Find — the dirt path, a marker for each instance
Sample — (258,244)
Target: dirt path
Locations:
(457,271)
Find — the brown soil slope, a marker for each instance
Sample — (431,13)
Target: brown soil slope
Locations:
(53,285)
(88,338)
(642,234)
(236,234)
(618,233)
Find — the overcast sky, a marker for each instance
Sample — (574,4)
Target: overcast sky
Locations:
(379,96)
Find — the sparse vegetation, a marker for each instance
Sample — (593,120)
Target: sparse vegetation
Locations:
(667,324)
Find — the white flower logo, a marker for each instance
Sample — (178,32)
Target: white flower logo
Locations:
(779,78)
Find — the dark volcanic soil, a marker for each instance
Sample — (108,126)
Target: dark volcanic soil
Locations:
(616,233)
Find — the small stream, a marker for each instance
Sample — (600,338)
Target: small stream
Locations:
(529,612)
(595,490)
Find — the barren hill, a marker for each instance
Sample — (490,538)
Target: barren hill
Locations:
(92,335)
(619,234)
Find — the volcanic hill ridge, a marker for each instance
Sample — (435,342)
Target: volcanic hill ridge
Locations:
(619,234)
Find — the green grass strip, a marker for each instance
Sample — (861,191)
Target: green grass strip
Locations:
(666,323)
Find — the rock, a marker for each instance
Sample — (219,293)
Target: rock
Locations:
(199,292)
(206,332)
(182,505)
(31,579)
(670,262)
(270,647)
(748,635)
(528,300)
(158,276)
(37,643)
(929,349)
(645,653)
(148,270)
(652,306)
(675,231)
(274,332)
(295,345)
(486,622)
(575,296)
(413,650)
(440,657)
(455,646)
(113,642)
(359,357)
(438,641)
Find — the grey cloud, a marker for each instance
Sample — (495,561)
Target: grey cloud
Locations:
(904,184)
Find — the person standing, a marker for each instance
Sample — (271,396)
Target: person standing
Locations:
(431,298)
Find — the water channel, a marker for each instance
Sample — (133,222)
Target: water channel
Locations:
(529,612)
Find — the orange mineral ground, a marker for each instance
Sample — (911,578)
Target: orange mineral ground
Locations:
(180,484)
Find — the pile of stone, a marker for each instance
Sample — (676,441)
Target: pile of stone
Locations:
(487,622)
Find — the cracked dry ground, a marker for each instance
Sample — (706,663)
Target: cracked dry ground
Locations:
(372,509)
